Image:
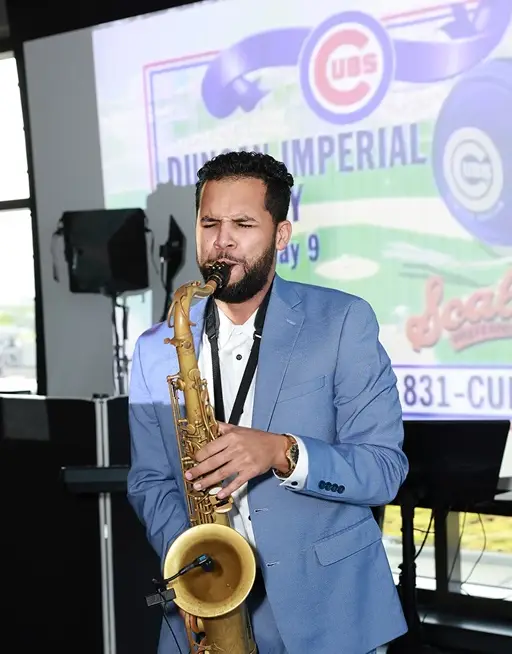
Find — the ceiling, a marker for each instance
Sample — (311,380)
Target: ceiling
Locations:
(34,19)
(4,27)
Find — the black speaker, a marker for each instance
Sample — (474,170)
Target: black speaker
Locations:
(106,250)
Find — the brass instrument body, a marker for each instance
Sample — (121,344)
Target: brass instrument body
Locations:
(211,602)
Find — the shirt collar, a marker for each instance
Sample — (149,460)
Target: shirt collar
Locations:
(227,328)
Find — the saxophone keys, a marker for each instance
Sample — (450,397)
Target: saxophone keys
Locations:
(215,490)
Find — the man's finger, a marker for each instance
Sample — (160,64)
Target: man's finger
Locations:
(232,487)
(213,447)
(216,477)
(211,463)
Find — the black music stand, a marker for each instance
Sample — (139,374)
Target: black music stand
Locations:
(95,479)
(451,463)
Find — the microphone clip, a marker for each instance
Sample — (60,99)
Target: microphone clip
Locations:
(164,594)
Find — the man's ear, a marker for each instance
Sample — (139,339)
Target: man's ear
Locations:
(283,234)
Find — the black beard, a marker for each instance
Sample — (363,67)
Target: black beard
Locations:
(253,281)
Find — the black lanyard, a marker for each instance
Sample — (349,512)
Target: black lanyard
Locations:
(212,331)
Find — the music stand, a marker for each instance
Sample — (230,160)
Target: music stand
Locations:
(451,463)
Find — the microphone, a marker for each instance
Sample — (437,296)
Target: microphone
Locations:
(207,564)
(204,561)
(164,595)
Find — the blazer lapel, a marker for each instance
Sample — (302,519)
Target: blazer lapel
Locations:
(283,323)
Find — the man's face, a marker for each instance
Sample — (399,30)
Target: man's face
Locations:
(233,225)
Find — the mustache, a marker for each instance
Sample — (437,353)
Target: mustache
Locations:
(227,259)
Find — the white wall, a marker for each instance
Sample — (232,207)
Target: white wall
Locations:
(68,176)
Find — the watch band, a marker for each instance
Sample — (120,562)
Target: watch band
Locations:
(292,454)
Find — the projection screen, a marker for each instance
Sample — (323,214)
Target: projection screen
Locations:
(393,119)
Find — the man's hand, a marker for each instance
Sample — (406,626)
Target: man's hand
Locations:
(239,451)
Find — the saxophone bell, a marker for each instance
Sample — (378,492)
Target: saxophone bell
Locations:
(216,590)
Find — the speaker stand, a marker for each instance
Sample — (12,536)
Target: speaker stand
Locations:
(120,358)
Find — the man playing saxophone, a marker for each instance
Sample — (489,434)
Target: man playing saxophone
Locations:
(310,427)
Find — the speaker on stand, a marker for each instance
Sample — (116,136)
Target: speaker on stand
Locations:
(106,254)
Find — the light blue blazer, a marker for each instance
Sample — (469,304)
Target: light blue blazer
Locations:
(324,376)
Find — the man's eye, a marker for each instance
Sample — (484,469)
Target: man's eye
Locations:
(244,225)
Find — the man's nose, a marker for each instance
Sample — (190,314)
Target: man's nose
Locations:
(225,238)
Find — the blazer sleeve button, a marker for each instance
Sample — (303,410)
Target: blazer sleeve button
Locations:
(321,484)
(341,488)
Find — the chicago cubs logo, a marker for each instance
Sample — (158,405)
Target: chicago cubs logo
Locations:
(473,171)
(346,67)
(471,157)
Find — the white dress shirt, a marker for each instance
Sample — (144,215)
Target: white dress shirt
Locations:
(235,343)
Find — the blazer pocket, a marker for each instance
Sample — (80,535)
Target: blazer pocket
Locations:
(304,388)
(344,543)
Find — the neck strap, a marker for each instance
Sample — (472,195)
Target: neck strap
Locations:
(212,332)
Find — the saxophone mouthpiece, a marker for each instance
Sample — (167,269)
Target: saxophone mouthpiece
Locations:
(219,273)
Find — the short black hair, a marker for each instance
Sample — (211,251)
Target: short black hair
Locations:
(243,164)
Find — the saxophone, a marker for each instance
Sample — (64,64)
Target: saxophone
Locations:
(211,602)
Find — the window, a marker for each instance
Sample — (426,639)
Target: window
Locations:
(17,294)
(13,153)
(17,328)
(479,557)
(483,567)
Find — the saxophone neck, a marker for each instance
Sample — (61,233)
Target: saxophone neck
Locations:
(179,311)
(178,314)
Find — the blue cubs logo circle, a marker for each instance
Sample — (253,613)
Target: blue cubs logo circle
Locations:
(346,67)
(473,171)
(472,162)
